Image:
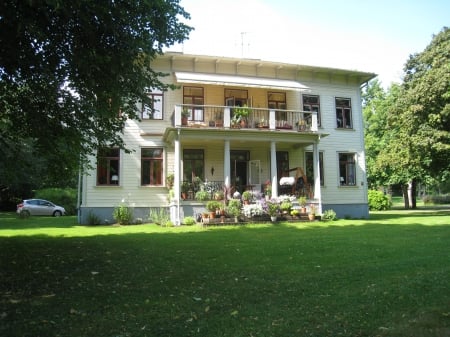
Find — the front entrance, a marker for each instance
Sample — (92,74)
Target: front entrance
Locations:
(239,169)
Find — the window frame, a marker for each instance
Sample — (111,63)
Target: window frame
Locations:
(197,152)
(342,120)
(156,98)
(191,103)
(312,106)
(348,177)
(106,172)
(148,162)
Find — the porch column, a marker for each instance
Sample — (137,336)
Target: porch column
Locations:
(226,165)
(316,168)
(177,180)
(273,169)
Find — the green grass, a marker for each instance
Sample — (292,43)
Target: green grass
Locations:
(387,276)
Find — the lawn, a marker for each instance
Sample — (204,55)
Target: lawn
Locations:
(386,276)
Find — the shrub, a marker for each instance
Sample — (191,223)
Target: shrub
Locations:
(436,199)
(329,215)
(189,221)
(93,219)
(123,214)
(159,216)
(378,201)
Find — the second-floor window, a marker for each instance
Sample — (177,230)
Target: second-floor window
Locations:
(347,169)
(312,103)
(108,163)
(193,100)
(277,101)
(152,166)
(154,110)
(343,113)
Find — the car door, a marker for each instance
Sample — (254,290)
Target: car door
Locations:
(45,207)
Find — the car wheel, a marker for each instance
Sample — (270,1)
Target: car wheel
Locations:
(57,213)
(24,214)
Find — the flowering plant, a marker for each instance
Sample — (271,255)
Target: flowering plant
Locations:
(252,210)
(273,207)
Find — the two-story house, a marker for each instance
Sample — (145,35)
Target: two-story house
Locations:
(242,124)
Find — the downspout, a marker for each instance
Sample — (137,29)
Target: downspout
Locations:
(79,194)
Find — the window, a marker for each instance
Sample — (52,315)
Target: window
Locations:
(193,98)
(193,164)
(343,113)
(312,103)
(152,166)
(347,169)
(108,160)
(309,167)
(154,110)
(277,101)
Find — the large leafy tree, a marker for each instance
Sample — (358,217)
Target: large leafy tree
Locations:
(417,137)
(71,73)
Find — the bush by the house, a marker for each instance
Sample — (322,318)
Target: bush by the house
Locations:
(329,215)
(378,201)
(123,214)
(188,221)
(159,216)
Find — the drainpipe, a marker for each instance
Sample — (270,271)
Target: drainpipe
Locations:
(273,169)
(79,195)
(176,183)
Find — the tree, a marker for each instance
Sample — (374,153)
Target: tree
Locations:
(418,124)
(71,73)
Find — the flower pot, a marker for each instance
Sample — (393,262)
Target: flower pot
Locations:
(311,217)
(273,218)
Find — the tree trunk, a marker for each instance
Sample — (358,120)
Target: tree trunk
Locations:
(405,196)
(412,186)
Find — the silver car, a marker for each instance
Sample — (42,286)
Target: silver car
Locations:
(39,207)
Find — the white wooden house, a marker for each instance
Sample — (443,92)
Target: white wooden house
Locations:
(302,122)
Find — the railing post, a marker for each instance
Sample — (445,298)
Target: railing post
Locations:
(226,117)
(177,117)
(314,123)
(272,121)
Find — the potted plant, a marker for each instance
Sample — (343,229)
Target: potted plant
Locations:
(184,116)
(240,115)
(234,209)
(184,189)
(212,206)
(312,212)
(302,202)
(218,195)
(273,208)
(286,206)
(246,196)
(202,195)
(169,180)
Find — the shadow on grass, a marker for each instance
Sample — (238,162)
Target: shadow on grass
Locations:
(261,280)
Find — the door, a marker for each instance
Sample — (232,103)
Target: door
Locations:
(239,169)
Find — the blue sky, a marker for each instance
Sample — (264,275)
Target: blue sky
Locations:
(374,36)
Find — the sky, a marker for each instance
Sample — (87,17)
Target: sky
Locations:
(365,35)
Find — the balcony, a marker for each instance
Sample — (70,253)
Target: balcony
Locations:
(224,117)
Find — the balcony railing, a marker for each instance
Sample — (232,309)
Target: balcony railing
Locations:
(210,116)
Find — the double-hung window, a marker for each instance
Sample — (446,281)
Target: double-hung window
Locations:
(153,109)
(347,169)
(343,113)
(193,100)
(152,166)
(108,163)
(312,103)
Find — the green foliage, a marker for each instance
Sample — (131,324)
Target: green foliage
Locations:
(202,195)
(234,207)
(212,205)
(189,221)
(123,214)
(160,216)
(436,199)
(71,66)
(378,201)
(246,195)
(93,219)
(329,215)
(65,197)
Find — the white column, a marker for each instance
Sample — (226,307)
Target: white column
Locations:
(272,121)
(226,164)
(177,118)
(273,169)
(226,117)
(177,179)
(316,167)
